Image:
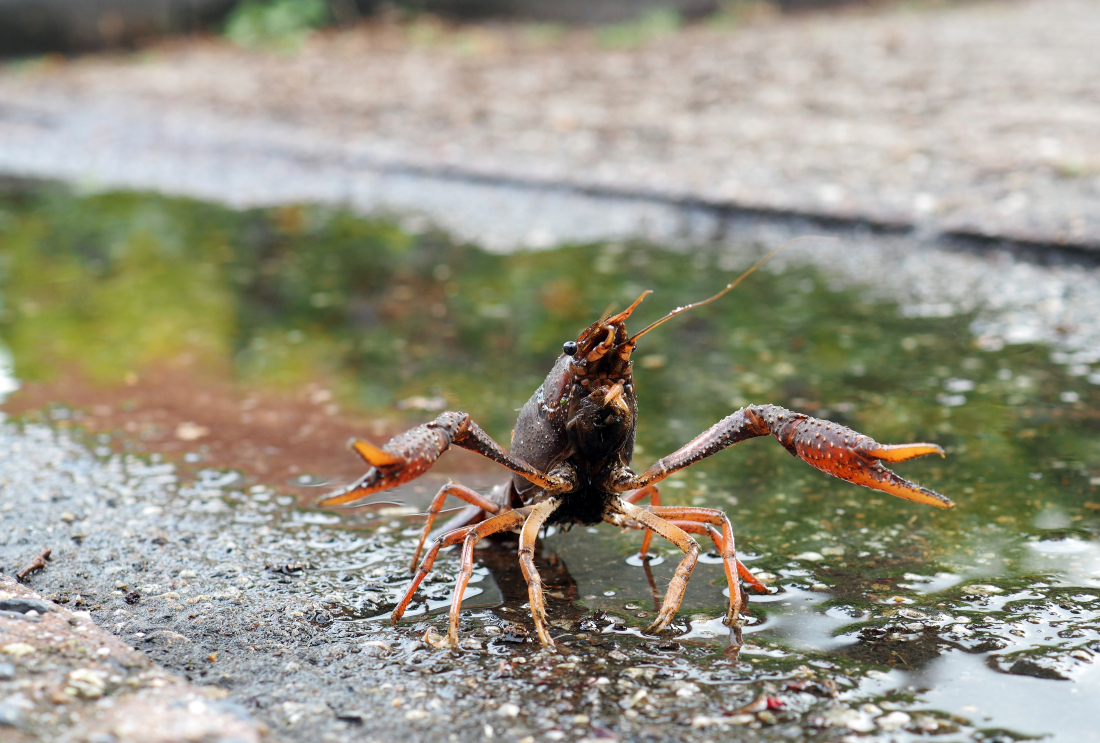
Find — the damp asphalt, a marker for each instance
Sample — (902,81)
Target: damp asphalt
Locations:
(282,613)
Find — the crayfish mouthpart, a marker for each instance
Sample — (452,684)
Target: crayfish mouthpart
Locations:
(614,394)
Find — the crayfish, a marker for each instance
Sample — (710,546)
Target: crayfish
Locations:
(570,456)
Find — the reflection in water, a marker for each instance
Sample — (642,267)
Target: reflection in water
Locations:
(897,597)
(1074,561)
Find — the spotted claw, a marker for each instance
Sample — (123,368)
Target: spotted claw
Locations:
(403,458)
(841,452)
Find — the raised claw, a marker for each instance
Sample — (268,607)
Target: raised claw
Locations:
(403,458)
(841,452)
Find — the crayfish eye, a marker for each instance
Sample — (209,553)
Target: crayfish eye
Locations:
(569,348)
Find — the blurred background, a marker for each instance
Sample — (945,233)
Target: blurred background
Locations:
(35,26)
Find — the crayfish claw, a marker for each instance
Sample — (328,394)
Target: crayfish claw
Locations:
(903,452)
(874,475)
(841,452)
(372,455)
(403,458)
(362,488)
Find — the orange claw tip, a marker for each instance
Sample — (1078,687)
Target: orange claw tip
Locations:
(902,452)
(340,499)
(372,455)
(911,491)
(753,581)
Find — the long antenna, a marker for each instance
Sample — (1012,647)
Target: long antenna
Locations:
(729,286)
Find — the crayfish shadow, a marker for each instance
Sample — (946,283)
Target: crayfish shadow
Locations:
(500,555)
(502,559)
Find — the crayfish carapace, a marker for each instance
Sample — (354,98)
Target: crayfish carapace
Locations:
(570,457)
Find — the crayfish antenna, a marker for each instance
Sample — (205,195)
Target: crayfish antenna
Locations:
(729,286)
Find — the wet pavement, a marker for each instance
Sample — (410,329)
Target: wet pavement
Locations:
(234,588)
(888,621)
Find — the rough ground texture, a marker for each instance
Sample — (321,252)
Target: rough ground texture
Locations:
(976,118)
(64,678)
(234,589)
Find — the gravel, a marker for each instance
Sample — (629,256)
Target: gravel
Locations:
(70,680)
(253,650)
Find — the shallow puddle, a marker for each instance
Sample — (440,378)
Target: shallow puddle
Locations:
(981,621)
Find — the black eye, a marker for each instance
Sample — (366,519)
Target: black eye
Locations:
(569,348)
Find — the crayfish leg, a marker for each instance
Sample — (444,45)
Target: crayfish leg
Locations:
(674,596)
(459,491)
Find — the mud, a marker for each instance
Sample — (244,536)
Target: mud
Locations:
(296,439)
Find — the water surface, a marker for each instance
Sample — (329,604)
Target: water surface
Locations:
(971,621)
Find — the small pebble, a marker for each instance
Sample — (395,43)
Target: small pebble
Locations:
(702,721)
(17,649)
(508,710)
(984,590)
(7,671)
(24,605)
(11,716)
(87,683)
(893,722)
(842,717)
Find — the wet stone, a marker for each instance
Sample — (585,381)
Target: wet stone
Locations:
(22,605)
(11,716)
(1036,669)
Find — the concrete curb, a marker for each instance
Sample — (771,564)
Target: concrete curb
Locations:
(62,677)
